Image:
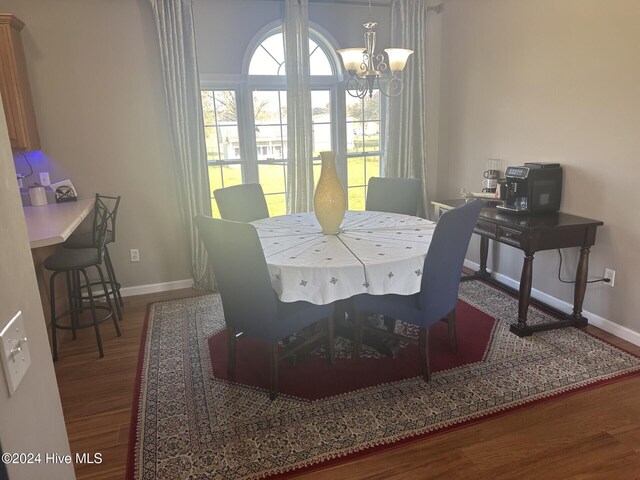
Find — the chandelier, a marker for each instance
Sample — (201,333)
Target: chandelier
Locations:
(365,67)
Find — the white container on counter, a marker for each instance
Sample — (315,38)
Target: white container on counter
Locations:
(37,196)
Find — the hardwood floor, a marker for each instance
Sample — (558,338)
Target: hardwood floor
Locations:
(592,434)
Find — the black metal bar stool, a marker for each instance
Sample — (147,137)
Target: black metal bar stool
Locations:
(88,239)
(73,263)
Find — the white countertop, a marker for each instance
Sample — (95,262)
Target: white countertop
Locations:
(54,223)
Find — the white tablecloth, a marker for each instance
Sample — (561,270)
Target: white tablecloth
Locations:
(375,252)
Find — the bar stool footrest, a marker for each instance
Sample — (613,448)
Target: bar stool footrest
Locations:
(83,325)
(110,291)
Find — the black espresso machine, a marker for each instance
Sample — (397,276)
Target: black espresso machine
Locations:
(533,188)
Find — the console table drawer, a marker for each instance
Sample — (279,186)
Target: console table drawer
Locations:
(486,228)
(508,235)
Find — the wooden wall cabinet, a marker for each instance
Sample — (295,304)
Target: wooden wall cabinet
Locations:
(14,86)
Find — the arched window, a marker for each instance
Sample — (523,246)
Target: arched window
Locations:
(246,124)
(268,57)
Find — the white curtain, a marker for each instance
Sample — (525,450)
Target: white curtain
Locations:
(174,22)
(406,124)
(299,148)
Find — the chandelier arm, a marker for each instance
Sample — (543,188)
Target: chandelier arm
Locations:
(381,66)
(366,60)
(354,84)
(394,87)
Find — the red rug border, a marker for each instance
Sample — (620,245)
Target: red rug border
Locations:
(352,457)
(137,391)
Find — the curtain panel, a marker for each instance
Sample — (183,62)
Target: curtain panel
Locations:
(405,152)
(176,37)
(299,121)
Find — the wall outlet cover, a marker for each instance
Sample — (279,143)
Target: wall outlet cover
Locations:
(14,352)
(611,275)
(45,181)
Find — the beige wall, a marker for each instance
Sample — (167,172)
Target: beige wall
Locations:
(95,77)
(31,420)
(225,29)
(551,80)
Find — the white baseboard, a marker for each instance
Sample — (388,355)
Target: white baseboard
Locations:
(597,321)
(156,287)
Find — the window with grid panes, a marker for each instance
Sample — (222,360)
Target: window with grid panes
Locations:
(222,140)
(339,122)
(363,146)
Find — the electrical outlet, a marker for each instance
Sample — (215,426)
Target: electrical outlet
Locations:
(611,275)
(45,181)
(134,254)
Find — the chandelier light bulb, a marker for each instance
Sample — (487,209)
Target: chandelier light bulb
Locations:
(397,58)
(352,59)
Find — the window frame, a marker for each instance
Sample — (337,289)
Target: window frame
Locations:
(244,85)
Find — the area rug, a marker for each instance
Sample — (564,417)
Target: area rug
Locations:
(312,378)
(189,423)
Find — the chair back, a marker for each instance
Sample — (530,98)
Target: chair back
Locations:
(104,208)
(242,275)
(394,195)
(102,220)
(444,261)
(242,203)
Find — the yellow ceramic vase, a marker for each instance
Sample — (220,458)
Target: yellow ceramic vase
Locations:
(329,201)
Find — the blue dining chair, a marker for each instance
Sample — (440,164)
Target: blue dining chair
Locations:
(242,203)
(250,304)
(438,291)
(393,195)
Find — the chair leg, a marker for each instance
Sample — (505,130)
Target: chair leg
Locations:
(423,346)
(273,361)
(331,346)
(78,290)
(93,312)
(231,351)
(72,305)
(109,304)
(357,333)
(453,338)
(52,298)
(112,277)
(112,284)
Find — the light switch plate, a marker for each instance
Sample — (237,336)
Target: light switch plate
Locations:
(14,352)
(45,181)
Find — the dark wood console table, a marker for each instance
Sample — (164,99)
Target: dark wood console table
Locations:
(532,233)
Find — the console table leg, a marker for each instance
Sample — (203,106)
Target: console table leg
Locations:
(521,328)
(580,288)
(484,253)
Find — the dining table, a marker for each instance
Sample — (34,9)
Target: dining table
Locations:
(374,252)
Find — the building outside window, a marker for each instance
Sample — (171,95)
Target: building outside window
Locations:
(245,124)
